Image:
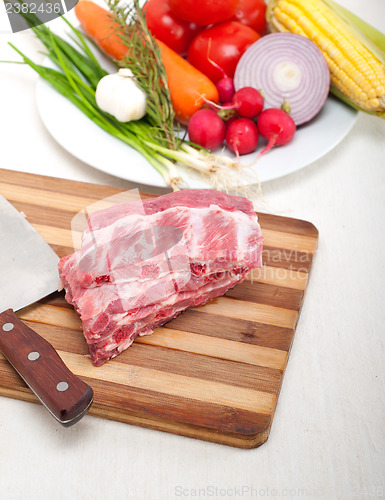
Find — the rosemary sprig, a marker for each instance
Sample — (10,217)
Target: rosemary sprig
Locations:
(144,60)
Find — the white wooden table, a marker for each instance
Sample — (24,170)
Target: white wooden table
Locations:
(327,438)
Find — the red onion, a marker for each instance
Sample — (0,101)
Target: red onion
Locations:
(289,70)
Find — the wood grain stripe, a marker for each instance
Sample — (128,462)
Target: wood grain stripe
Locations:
(216,347)
(187,363)
(69,202)
(293,226)
(222,306)
(64,237)
(248,332)
(288,278)
(289,241)
(51,315)
(287,259)
(180,362)
(172,339)
(56,299)
(173,385)
(215,417)
(57,185)
(219,424)
(191,320)
(62,251)
(264,293)
(44,198)
(38,214)
(250,311)
(211,416)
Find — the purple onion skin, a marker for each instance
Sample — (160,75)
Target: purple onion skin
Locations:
(256,69)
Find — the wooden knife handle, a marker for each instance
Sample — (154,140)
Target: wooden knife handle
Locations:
(66,396)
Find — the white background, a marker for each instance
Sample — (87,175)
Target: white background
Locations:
(327,438)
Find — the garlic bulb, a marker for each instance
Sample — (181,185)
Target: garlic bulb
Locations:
(119,95)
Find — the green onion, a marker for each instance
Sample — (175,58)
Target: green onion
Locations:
(76,79)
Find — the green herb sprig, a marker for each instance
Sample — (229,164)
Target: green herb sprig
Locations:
(144,59)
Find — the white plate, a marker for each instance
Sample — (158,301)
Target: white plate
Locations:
(86,141)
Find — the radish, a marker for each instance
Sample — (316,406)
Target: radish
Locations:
(226,90)
(277,127)
(225,85)
(242,136)
(289,69)
(206,129)
(248,102)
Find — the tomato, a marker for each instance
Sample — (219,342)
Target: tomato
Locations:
(224,44)
(204,12)
(165,26)
(253,14)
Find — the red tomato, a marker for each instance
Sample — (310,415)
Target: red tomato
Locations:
(168,28)
(253,14)
(224,44)
(204,12)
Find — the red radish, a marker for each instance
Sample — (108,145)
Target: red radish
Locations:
(225,88)
(276,126)
(225,85)
(206,129)
(287,67)
(248,102)
(242,136)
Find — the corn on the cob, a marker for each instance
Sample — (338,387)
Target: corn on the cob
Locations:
(355,73)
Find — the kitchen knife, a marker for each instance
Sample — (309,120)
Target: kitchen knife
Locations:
(29,272)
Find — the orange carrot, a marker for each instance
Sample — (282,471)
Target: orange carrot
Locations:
(188,86)
(98,24)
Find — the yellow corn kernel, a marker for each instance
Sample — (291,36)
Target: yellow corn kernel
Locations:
(354,70)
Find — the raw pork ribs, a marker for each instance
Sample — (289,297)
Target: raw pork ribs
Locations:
(143,263)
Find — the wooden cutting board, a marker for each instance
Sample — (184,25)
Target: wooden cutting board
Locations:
(214,372)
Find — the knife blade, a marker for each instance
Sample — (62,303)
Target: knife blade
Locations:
(29,272)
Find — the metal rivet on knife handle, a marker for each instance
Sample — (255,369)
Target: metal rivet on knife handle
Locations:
(62,386)
(7,327)
(33,356)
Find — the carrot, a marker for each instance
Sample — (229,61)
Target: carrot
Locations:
(188,86)
(98,24)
